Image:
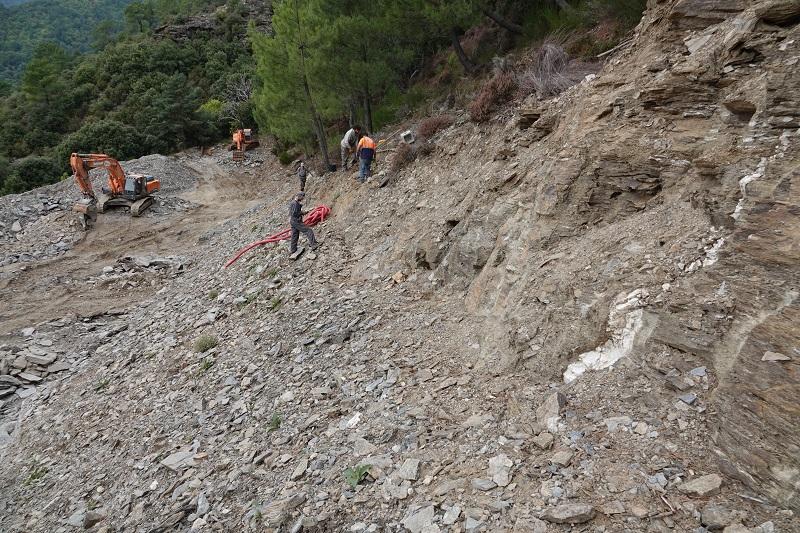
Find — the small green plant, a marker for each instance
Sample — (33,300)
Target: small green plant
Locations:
(272,272)
(275,303)
(250,298)
(36,472)
(213,294)
(256,514)
(356,475)
(274,423)
(101,384)
(207,363)
(204,343)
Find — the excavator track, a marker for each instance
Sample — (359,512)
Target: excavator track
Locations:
(104,203)
(140,206)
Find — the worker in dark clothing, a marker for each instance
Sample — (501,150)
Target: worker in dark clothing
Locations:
(302,173)
(296,222)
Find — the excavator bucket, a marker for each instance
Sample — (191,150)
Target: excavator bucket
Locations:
(87,213)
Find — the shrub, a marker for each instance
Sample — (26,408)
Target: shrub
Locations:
(205,343)
(116,139)
(627,11)
(546,76)
(424,149)
(433,125)
(404,155)
(30,172)
(498,90)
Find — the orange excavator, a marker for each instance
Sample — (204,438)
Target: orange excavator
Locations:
(132,191)
(243,140)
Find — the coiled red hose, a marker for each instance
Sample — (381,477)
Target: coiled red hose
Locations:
(314,217)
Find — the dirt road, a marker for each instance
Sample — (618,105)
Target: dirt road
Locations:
(53,288)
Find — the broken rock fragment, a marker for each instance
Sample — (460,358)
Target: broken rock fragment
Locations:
(549,411)
(703,486)
(500,469)
(569,513)
(178,460)
(419,520)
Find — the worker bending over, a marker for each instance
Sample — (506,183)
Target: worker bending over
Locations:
(348,145)
(367,150)
(296,222)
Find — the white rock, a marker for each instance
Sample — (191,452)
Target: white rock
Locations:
(500,468)
(775,356)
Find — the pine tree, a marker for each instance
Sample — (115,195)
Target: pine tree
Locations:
(286,104)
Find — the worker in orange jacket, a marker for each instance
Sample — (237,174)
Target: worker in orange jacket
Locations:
(366,151)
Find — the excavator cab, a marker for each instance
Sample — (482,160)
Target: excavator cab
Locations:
(137,186)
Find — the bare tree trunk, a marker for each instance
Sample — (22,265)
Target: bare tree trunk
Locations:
(468,65)
(562,4)
(368,111)
(367,96)
(502,22)
(319,128)
(353,115)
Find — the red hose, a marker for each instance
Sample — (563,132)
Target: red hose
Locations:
(314,217)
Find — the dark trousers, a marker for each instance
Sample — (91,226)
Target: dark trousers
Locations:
(302,183)
(298,228)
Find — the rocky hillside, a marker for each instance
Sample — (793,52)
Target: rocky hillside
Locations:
(581,312)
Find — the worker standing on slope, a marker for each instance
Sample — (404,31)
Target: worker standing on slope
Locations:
(296,222)
(302,173)
(367,149)
(348,145)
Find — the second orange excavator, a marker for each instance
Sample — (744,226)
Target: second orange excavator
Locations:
(133,190)
(243,140)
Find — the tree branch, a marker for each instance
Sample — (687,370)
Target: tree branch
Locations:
(502,22)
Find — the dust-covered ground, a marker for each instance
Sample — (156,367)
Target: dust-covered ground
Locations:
(584,321)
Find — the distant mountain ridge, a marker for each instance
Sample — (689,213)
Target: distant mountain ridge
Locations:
(25,24)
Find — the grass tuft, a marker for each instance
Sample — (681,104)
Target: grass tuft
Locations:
(204,343)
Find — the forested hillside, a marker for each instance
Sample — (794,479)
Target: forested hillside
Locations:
(331,62)
(185,73)
(141,93)
(70,23)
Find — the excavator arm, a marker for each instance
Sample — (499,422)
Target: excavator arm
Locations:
(81,165)
(238,139)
